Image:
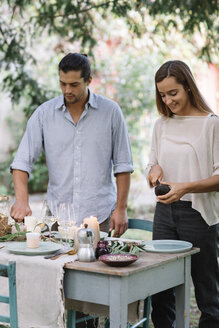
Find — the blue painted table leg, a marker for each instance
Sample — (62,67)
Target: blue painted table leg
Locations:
(71,319)
(13,295)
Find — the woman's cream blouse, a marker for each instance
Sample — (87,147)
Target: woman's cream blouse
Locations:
(187,149)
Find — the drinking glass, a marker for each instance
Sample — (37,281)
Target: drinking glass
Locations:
(49,213)
(66,219)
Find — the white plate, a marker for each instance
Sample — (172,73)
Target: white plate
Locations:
(58,236)
(45,247)
(167,246)
(103,234)
(125,240)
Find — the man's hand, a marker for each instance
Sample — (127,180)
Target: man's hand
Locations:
(119,218)
(21,207)
(156,173)
(19,210)
(119,222)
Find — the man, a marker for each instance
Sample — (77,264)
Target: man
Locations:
(84,137)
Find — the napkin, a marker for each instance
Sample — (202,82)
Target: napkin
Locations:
(40,296)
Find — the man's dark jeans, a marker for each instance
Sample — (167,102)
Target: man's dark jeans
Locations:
(180,221)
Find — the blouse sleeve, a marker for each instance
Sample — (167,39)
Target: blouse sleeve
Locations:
(153,152)
(216,147)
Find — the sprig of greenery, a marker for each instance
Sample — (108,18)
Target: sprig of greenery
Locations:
(118,247)
(17,227)
(12,236)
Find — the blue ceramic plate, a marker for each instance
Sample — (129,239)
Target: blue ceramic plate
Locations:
(45,247)
(103,234)
(58,236)
(167,246)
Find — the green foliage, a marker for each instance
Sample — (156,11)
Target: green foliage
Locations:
(195,16)
(129,79)
(39,178)
(22,22)
(6,186)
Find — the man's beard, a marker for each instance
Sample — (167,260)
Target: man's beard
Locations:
(74,100)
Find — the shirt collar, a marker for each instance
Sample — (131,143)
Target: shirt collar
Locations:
(92,99)
(60,104)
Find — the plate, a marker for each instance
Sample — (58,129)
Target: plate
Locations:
(118,260)
(125,240)
(46,233)
(167,246)
(45,247)
(103,234)
(58,236)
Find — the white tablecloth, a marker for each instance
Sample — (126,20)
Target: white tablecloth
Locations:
(39,282)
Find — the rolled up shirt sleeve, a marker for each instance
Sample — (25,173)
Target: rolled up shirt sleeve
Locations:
(122,155)
(30,146)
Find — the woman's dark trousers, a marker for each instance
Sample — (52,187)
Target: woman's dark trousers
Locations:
(180,221)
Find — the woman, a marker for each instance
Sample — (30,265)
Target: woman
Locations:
(185,156)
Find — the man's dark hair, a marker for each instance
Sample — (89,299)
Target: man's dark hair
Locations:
(76,62)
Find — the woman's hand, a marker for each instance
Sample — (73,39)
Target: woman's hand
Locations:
(177,190)
(156,173)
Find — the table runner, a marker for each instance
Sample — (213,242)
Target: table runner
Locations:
(40,298)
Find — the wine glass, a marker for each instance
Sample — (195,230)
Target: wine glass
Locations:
(49,213)
(66,219)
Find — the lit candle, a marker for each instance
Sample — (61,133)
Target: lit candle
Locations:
(30,222)
(94,225)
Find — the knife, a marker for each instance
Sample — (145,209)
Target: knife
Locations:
(60,251)
(71,252)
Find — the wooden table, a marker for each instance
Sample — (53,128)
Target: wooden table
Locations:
(117,287)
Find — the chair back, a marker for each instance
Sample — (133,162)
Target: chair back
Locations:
(140,224)
(148,226)
(9,271)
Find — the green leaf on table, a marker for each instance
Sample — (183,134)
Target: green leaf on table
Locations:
(17,227)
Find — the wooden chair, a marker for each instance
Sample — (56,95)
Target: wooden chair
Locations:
(144,322)
(148,226)
(9,271)
(72,321)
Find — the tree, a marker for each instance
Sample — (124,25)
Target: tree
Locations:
(22,22)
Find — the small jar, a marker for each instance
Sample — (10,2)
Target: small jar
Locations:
(4,214)
(102,248)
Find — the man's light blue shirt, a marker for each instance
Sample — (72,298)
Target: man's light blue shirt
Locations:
(82,157)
